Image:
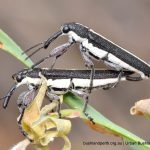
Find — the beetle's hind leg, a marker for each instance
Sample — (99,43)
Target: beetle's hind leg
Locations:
(85,97)
(118,79)
(131,78)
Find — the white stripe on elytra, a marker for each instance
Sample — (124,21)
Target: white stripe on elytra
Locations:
(59,83)
(121,63)
(80,39)
(101,53)
(119,47)
(96,82)
(65,83)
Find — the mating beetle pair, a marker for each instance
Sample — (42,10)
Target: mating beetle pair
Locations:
(95,46)
(92,46)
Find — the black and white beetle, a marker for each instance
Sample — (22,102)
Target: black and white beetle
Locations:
(95,46)
(61,81)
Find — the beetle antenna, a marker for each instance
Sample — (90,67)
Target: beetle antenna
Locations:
(8,96)
(46,44)
(34,52)
(52,38)
(27,50)
(40,61)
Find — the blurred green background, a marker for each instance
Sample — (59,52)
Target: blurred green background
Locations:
(125,22)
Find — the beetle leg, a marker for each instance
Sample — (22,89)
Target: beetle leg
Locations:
(130,78)
(55,53)
(85,96)
(89,64)
(53,97)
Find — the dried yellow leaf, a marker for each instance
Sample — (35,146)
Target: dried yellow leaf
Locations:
(43,127)
(141,107)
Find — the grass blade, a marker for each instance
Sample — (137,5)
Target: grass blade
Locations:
(103,125)
(8,45)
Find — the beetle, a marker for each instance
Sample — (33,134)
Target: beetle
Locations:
(95,46)
(60,82)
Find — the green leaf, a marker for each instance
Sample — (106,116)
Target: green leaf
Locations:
(8,45)
(103,125)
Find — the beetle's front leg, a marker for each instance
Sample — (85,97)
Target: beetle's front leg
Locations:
(89,64)
(55,53)
(59,51)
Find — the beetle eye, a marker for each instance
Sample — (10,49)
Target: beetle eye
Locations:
(66,29)
(18,78)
